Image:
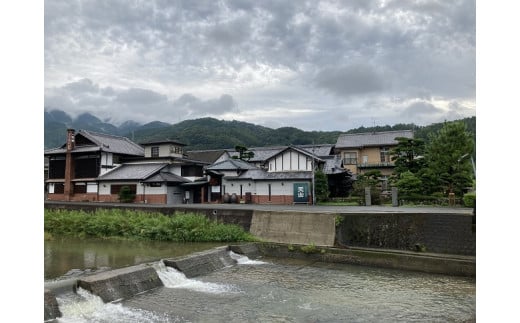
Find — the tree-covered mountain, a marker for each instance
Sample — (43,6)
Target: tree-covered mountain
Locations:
(210,133)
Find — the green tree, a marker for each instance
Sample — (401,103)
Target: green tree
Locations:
(126,195)
(243,153)
(370,179)
(408,155)
(449,168)
(321,186)
(409,184)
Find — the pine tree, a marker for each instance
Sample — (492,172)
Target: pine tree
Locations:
(448,158)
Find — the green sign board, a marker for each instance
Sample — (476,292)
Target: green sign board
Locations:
(301,192)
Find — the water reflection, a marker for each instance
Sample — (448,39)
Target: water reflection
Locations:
(70,256)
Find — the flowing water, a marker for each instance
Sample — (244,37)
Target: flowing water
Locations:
(285,290)
(69,257)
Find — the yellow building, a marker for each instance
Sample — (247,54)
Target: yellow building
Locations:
(362,152)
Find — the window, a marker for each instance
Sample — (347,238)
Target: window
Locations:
(383,152)
(350,159)
(269,191)
(59,188)
(192,171)
(80,188)
(155,151)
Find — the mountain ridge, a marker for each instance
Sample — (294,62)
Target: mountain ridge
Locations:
(211,133)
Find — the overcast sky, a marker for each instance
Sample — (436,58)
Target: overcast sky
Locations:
(314,65)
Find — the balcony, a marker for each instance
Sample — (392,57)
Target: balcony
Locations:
(376,165)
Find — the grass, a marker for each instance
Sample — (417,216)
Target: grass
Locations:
(139,225)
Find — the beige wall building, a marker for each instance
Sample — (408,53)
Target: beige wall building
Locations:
(362,152)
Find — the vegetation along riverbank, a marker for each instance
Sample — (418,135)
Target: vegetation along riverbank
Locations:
(138,225)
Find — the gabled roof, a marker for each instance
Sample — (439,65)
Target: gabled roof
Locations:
(89,141)
(301,151)
(260,174)
(166,177)
(208,156)
(113,144)
(333,165)
(321,150)
(359,140)
(138,171)
(159,142)
(231,164)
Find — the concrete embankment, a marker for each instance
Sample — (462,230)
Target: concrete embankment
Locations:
(294,227)
(453,265)
(121,283)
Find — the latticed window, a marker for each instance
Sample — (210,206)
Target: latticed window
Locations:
(350,159)
(384,153)
(155,151)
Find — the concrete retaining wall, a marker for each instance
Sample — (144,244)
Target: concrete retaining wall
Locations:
(423,262)
(202,263)
(294,227)
(439,233)
(121,283)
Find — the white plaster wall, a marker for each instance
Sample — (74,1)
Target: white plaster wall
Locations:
(154,190)
(290,161)
(106,160)
(92,187)
(262,188)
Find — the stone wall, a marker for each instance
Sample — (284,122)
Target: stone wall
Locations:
(439,233)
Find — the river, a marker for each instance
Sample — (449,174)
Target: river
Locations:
(265,290)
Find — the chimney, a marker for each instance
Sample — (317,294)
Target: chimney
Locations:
(70,139)
(68,189)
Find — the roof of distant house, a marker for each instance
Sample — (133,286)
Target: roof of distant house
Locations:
(89,141)
(209,156)
(138,171)
(371,138)
(159,142)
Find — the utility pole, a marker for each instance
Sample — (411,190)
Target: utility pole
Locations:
(313,177)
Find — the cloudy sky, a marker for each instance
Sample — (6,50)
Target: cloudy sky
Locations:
(314,65)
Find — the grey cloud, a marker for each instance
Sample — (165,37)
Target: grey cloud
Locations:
(82,86)
(350,80)
(421,109)
(197,107)
(136,96)
(232,32)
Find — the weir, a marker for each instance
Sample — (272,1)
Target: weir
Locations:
(123,284)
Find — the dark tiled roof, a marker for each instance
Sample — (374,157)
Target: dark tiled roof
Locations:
(318,150)
(371,139)
(102,142)
(208,156)
(113,144)
(158,142)
(231,164)
(132,171)
(260,174)
(166,177)
(333,165)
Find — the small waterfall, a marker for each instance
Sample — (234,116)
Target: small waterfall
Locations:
(244,260)
(172,278)
(83,306)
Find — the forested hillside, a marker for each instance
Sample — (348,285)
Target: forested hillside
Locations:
(210,133)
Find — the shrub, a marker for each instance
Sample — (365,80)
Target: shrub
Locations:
(470,199)
(126,195)
(107,223)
